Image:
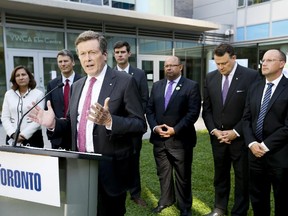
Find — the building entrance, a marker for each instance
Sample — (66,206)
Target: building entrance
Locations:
(153,67)
(43,64)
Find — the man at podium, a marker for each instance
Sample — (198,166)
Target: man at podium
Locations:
(105,110)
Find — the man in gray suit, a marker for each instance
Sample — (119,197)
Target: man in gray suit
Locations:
(115,114)
(121,54)
(225,91)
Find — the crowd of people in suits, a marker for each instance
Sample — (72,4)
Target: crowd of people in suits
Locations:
(246,115)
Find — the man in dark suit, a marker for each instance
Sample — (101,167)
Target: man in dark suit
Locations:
(265,126)
(115,114)
(65,61)
(121,54)
(225,92)
(173,134)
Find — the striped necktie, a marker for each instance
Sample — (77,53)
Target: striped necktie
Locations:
(262,113)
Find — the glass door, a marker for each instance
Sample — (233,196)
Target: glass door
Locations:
(43,64)
(153,67)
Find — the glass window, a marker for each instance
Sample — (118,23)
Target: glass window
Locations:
(249,53)
(251,2)
(240,36)
(279,28)
(124,4)
(94,2)
(106,2)
(241,3)
(71,37)
(155,46)
(34,39)
(257,31)
(157,7)
(190,55)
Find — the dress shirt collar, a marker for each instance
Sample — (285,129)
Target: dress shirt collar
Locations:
(275,82)
(101,75)
(71,78)
(175,81)
(125,69)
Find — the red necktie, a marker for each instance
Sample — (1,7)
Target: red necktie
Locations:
(66,97)
(83,119)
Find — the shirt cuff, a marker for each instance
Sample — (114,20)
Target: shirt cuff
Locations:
(252,143)
(238,135)
(264,146)
(212,132)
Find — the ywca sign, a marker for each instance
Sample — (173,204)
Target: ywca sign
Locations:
(30,177)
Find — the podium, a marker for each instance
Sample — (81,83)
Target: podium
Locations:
(78,176)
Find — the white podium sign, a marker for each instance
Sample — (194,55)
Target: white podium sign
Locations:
(30,177)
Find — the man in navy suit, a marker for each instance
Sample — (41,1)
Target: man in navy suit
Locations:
(121,54)
(266,135)
(222,114)
(114,116)
(173,134)
(65,61)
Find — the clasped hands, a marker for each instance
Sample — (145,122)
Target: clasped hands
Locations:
(257,149)
(164,130)
(225,136)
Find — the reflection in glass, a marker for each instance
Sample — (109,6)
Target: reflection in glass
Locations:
(49,65)
(155,47)
(25,61)
(147,66)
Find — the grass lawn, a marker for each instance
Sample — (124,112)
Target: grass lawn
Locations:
(202,181)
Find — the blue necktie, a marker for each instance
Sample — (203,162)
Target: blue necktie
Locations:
(168,93)
(262,113)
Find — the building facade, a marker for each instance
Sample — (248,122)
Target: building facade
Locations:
(254,26)
(33,31)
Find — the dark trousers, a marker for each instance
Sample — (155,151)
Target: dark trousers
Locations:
(261,180)
(36,140)
(225,156)
(135,191)
(178,161)
(110,205)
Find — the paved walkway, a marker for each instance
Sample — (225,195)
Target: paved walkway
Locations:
(199,126)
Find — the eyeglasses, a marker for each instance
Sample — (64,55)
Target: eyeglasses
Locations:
(268,61)
(170,66)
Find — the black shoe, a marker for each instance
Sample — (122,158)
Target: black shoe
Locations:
(139,201)
(185,212)
(216,212)
(159,208)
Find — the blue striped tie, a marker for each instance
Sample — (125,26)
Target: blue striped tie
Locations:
(262,113)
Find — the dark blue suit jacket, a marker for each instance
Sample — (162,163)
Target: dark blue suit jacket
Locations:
(275,125)
(127,118)
(181,113)
(226,116)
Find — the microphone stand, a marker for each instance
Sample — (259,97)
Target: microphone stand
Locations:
(20,122)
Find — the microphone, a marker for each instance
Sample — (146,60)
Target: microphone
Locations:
(60,85)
